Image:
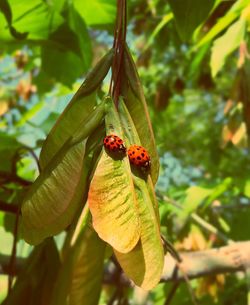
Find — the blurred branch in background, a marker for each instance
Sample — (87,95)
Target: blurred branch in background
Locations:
(228,259)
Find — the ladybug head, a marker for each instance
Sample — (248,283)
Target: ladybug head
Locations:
(122,148)
(146,166)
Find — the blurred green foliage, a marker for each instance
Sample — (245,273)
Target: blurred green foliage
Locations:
(193,60)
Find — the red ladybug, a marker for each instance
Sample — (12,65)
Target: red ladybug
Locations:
(114,144)
(138,156)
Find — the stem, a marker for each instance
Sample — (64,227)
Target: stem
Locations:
(13,254)
(119,46)
(203,224)
(9,207)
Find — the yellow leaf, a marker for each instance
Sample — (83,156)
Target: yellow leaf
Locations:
(144,264)
(112,200)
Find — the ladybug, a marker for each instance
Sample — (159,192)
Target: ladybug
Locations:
(114,144)
(138,156)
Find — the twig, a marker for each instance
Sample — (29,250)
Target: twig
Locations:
(171,293)
(9,207)
(13,253)
(210,228)
(204,224)
(31,152)
(13,178)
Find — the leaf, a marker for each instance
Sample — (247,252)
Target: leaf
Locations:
(144,264)
(70,44)
(131,137)
(33,18)
(247,189)
(80,278)
(96,12)
(6,10)
(135,101)
(224,22)
(67,73)
(189,14)
(35,283)
(77,24)
(194,196)
(8,151)
(56,195)
(226,44)
(78,111)
(111,198)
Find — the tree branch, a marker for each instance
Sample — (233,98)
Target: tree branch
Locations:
(232,258)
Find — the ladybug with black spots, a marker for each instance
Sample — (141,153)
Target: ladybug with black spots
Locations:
(138,156)
(114,144)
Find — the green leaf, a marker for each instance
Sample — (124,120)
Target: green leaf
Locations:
(247,189)
(77,24)
(144,263)
(96,12)
(189,14)
(78,112)
(135,102)
(194,196)
(131,137)
(111,197)
(8,151)
(35,283)
(80,278)
(6,10)
(224,22)
(70,44)
(66,73)
(33,17)
(226,44)
(56,195)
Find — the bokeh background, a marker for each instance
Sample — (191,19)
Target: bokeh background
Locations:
(193,58)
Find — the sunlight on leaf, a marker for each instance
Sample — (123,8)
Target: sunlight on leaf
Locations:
(135,101)
(226,44)
(111,198)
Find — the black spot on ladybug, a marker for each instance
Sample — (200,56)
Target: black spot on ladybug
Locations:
(144,150)
(142,154)
(106,140)
(112,143)
(133,152)
(138,158)
(119,141)
(138,148)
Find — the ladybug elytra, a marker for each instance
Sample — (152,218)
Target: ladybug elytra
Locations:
(114,144)
(138,156)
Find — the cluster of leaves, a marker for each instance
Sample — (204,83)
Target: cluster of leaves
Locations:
(193,58)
